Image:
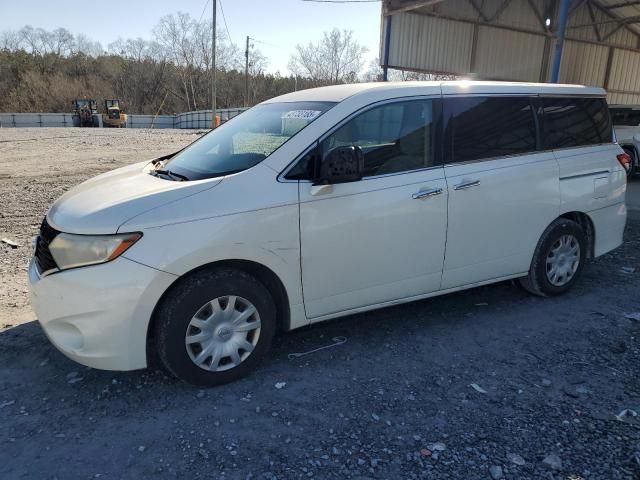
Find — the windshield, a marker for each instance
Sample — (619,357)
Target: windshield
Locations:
(246,140)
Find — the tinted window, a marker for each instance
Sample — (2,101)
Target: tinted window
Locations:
(488,127)
(304,168)
(627,117)
(572,122)
(394,137)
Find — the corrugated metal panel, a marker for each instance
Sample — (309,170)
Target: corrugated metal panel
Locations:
(426,43)
(623,98)
(624,12)
(581,17)
(521,61)
(515,14)
(456,8)
(583,63)
(518,15)
(423,41)
(623,37)
(625,71)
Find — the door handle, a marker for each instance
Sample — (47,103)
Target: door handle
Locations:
(426,193)
(465,185)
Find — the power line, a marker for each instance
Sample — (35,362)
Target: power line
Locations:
(266,43)
(203,10)
(225,21)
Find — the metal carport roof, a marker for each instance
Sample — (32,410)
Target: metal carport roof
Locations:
(518,40)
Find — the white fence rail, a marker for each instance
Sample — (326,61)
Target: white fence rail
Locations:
(36,119)
(193,120)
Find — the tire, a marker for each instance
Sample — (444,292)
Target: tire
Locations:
(539,281)
(188,310)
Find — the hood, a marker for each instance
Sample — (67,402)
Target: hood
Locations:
(103,203)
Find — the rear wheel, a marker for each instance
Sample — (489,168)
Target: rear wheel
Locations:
(215,327)
(558,259)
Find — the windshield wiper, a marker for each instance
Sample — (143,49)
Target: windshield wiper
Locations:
(169,173)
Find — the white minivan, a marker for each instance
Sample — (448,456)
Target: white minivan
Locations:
(322,203)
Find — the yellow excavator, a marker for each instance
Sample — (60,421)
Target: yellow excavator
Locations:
(113,117)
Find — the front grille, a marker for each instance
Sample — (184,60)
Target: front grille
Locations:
(43,256)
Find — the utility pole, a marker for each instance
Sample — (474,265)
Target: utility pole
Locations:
(246,74)
(213,67)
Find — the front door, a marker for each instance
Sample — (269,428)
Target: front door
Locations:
(381,238)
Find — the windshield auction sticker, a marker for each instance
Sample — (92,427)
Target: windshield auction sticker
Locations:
(306,114)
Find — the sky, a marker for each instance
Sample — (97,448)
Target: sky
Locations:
(280,23)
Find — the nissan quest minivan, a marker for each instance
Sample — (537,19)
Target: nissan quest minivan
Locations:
(322,203)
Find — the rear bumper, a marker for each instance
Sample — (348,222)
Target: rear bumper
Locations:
(609,224)
(98,316)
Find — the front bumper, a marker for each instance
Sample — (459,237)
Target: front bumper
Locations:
(98,316)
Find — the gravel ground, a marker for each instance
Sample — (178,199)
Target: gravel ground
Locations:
(488,383)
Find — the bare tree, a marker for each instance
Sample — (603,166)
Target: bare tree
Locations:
(42,70)
(59,42)
(188,45)
(258,62)
(142,73)
(407,76)
(87,46)
(337,58)
(374,72)
(173,33)
(136,49)
(10,40)
(33,39)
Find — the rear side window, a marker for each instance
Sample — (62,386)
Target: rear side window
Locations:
(489,127)
(574,122)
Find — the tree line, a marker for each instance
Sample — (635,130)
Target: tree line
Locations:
(43,71)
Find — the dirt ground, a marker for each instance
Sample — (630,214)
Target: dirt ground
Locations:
(487,383)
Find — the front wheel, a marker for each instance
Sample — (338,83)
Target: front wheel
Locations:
(558,259)
(215,326)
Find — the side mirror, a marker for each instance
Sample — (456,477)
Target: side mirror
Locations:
(341,165)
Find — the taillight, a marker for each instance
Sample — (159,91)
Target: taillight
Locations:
(625,160)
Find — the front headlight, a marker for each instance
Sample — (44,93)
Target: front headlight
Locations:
(69,250)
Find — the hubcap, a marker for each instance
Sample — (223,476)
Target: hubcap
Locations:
(223,333)
(563,260)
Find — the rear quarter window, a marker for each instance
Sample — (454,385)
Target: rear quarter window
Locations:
(575,122)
